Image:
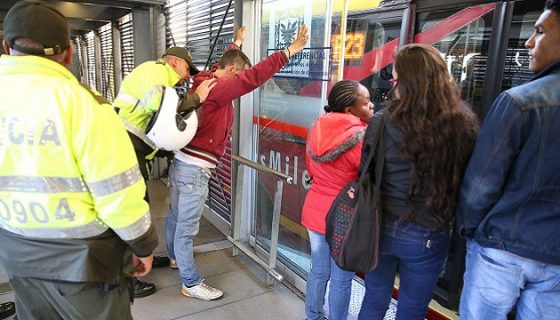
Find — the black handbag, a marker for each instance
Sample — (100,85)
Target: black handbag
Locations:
(354,218)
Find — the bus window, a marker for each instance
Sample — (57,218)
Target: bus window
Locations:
(516,67)
(370,44)
(285,107)
(463,37)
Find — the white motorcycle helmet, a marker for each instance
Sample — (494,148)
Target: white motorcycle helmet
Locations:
(169,130)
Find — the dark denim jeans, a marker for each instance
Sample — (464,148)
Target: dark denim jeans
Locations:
(418,255)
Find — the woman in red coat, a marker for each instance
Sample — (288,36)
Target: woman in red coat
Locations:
(333,154)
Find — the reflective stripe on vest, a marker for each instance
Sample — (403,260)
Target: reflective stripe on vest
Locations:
(62,184)
(127,98)
(138,132)
(150,95)
(135,102)
(41,184)
(136,229)
(91,229)
(115,183)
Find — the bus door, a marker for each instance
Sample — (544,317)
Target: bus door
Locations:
(464,37)
(483,45)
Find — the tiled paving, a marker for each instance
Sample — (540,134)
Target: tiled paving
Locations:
(246,296)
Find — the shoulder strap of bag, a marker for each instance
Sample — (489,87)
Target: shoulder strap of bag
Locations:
(377,138)
(380,154)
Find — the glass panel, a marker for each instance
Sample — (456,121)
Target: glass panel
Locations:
(516,68)
(288,104)
(463,37)
(371,40)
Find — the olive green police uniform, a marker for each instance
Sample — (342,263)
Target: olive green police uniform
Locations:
(71,192)
(140,97)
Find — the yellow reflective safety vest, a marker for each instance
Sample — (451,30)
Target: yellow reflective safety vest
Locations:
(141,93)
(68,167)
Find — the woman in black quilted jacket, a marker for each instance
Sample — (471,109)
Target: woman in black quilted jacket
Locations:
(429,135)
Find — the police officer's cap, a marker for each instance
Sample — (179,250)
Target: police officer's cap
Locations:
(39,22)
(182,53)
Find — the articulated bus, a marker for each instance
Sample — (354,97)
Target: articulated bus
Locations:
(482,42)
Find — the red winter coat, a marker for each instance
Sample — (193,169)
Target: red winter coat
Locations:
(334,146)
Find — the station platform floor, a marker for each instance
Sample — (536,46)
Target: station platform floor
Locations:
(246,295)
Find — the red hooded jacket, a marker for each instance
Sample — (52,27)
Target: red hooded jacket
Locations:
(334,146)
(215,116)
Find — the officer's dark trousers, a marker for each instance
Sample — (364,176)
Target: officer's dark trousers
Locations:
(46,300)
(142,150)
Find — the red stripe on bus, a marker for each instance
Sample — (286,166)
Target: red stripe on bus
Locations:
(435,315)
(373,61)
(379,58)
(455,22)
(281,126)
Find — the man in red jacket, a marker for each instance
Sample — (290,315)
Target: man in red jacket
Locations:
(190,172)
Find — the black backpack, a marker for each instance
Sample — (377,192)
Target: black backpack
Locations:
(354,218)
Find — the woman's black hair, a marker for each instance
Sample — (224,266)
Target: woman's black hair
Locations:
(343,94)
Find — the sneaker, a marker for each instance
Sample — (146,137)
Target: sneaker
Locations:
(173,264)
(202,291)
(143,289)
(7,309)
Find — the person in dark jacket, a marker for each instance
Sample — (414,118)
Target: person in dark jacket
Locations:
(429,135)
(190,172)
(509,208)
(333,153)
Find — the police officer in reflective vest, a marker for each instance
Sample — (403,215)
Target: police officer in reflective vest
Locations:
(71,193)
(140,97)
(141,92)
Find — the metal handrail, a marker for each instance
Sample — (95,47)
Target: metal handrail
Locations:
(269,265)
(260,167)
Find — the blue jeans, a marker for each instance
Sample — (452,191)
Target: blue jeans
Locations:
(418,255)
(187,195)
(496,280)
(323,267)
